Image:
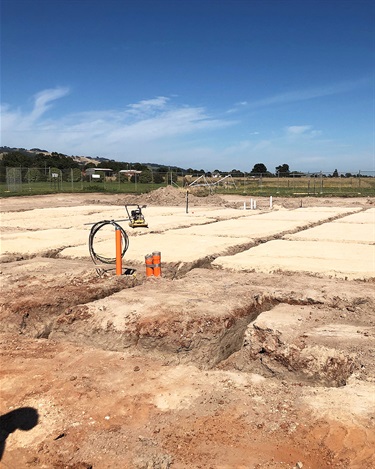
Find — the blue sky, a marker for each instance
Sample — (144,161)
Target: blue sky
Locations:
(207,84)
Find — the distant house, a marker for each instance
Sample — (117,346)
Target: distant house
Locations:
(129,172)
(101,172)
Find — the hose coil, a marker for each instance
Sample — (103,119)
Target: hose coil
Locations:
(94,230)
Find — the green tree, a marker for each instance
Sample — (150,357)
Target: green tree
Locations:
(282,170)
(32,175)
(139,166)
(145,177)
(74,175)
(236,173)
(16,159)
(259,168)
(158,178)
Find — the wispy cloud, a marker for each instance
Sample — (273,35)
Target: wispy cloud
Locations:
(237,107)
(295,131)
(19,121)
(43,100)
(310,93)
(298,129)
(148,106)
(113,132)
(163,130)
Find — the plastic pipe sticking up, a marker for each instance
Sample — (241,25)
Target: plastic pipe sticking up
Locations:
(255,204)
(149,268)
(251,204)
(156,260)
(270,201)
(118,252)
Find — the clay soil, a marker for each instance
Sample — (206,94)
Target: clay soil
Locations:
(205,369)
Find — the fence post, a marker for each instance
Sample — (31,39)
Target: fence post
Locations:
(278,182)
(308,183)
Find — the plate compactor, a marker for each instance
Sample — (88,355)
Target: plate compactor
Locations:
(136,218)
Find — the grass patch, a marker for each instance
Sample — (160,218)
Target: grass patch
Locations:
(277,187)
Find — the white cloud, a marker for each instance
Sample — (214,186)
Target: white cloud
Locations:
(295,131)
(162,130)
(43,99)
(111,133)
(237,107)
(15,120)
(298,129)
(149,105)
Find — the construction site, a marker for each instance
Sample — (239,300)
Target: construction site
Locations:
(212,332)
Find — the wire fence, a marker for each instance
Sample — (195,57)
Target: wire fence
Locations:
(22,180)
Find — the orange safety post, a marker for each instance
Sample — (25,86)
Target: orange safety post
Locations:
(118,252)
(156,260)
(149,266)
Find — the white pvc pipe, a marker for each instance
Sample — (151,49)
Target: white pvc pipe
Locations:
(251,204)
(255,204)
(244,205)
(270,201)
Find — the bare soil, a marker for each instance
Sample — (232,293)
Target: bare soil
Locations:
(208,369)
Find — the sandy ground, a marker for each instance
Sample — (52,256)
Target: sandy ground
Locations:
(255,349)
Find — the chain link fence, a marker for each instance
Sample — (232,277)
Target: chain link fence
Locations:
(44,180)
(313,184)
(18,180)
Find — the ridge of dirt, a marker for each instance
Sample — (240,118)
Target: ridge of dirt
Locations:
(172,196)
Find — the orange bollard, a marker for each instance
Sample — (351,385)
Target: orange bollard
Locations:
(156,260)
(118,252)
(149,266)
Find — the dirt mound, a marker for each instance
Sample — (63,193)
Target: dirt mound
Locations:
(172,196)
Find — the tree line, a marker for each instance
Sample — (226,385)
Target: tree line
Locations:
(60,161)
(29,159)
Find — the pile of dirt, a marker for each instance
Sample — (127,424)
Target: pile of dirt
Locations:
(172,196)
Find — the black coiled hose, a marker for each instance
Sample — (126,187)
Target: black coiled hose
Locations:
(106,260)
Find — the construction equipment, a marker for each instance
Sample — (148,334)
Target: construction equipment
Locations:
(136,218)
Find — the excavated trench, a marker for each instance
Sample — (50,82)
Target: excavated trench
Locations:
(233,341)
(62,311)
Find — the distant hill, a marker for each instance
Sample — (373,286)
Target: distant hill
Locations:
(35,151)
(82,160)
